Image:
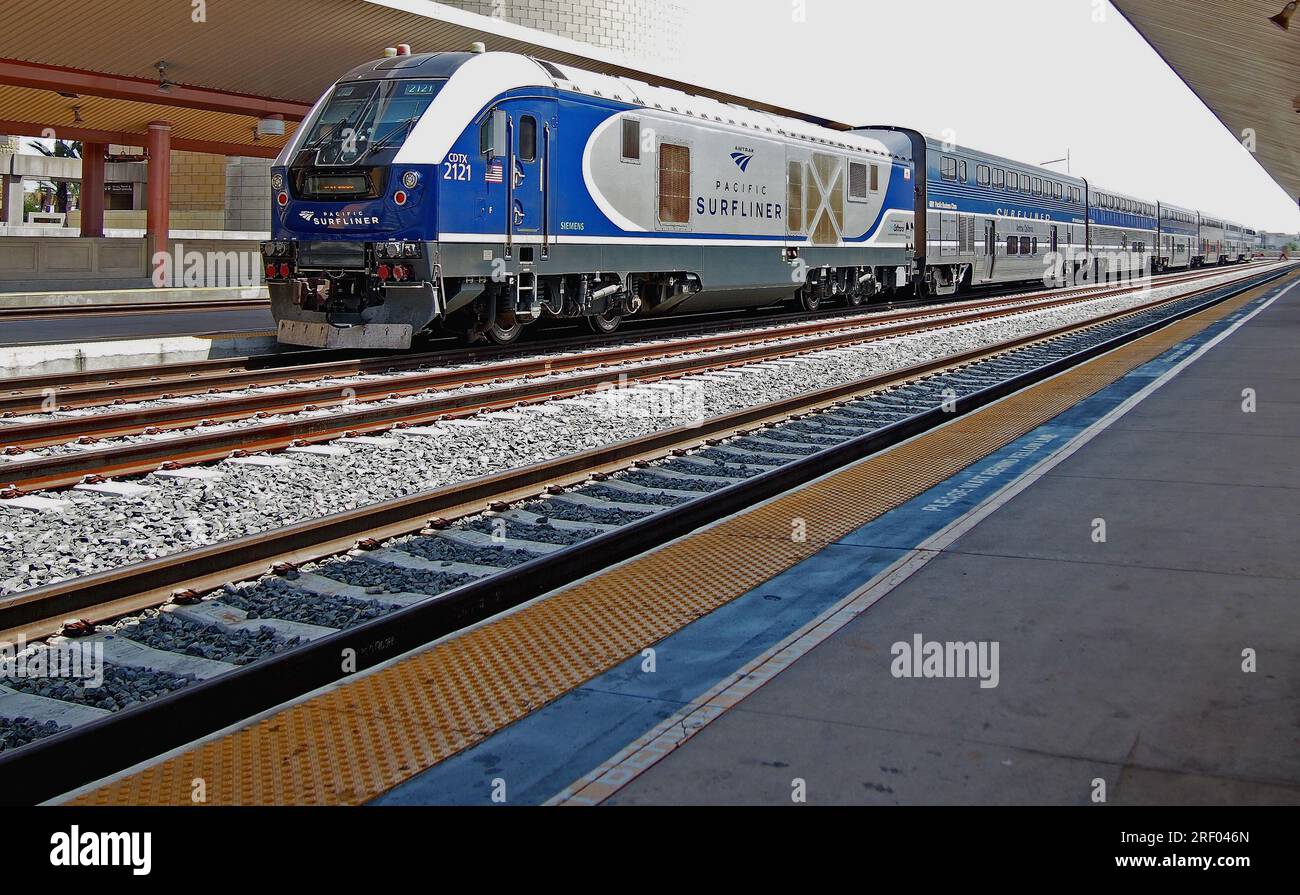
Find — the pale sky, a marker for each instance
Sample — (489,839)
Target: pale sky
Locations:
(856,61)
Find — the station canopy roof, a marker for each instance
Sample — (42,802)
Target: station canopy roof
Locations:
(88,69)
(1244,67)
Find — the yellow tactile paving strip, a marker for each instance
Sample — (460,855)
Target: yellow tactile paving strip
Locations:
(353,743)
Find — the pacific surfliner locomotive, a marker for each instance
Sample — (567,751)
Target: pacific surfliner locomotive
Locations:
(480,192)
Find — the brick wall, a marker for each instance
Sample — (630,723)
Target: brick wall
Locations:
(651,29)
(248,194)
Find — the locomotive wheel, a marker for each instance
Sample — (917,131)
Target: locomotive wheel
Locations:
(504,330)
(603,324)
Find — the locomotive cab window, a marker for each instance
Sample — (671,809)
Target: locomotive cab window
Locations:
(674,184)
(527,139)
(631,140)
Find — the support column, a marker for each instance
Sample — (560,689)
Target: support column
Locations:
(92,188)
(158,204)
(13,187)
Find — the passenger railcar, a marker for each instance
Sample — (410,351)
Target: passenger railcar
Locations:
(485,191)
(1237,247)
(986,219)
(1214,239)
(1122,230)
(1179,244)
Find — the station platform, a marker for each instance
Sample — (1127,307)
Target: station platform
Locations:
(1120,539)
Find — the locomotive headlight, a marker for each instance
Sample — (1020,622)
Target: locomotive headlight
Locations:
(411,179)
(277,181)
(393,250)
(410,250)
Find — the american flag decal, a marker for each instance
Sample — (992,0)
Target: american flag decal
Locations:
(495,173)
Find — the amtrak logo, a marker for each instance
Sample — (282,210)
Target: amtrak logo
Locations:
(307,215)
(742,159)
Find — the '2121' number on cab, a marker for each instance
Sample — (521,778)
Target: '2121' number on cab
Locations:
(457,167)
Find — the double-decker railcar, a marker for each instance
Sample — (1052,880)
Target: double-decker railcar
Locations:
(484,191)
(1178,244)
(1238,249)
(1122,231)
(1214,239)
(983,219)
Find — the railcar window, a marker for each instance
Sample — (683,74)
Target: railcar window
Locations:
(999,178)
(961,171)
(794,198)
(857,180)
(948,168)
(527,139)
(983,175)
(1024,245)
(1013,245)
(1056,190)
(1035,243)
(1038,186)
(631,140)
(674,184)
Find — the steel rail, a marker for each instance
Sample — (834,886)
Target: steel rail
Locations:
(94,388)
(64,469)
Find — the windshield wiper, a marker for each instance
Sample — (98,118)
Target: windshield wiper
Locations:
(342,126)
(403,126)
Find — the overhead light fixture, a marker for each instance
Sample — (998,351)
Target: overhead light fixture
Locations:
(271,126)
(163,83)
(1283,18)
(68,95)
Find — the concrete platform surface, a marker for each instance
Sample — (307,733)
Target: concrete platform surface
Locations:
(1119,660)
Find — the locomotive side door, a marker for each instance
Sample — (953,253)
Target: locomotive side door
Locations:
(990,247)
(531,182)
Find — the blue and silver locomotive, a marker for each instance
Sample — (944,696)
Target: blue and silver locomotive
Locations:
(478,193)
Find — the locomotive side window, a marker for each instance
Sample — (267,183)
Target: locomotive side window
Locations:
(794,198)
(875,179)
(674,184)
(857,181)
(631,140)
(527,139)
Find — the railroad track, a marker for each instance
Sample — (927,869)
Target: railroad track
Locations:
(87,388)
(386,578)
(209,427)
